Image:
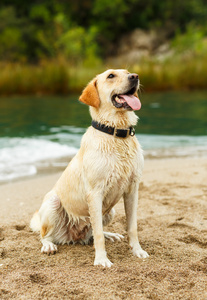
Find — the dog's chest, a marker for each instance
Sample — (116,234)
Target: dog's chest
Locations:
(114,191)
(122,171)
(110,166)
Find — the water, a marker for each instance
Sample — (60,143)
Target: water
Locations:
(40,134)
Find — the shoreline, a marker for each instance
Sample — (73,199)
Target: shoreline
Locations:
(60,164)
(46,180)
(58,169)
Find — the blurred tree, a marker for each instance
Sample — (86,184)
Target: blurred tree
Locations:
(12,45)
(32,30)
(77,44)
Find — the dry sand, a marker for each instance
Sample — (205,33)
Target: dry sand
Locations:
(172,222)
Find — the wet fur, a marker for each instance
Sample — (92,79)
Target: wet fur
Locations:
(104,170)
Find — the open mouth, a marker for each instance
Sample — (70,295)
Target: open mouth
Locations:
(127,100)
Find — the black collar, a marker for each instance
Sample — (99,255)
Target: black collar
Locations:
(122,133)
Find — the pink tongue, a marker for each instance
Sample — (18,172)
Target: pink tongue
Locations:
(132,101)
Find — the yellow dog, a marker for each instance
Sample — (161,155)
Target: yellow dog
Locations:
(107,167)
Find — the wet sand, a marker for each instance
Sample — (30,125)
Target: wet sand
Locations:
(172,223)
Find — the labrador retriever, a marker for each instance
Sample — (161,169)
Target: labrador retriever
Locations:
(107,167)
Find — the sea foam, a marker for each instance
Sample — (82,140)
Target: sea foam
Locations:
(22,157)
(19,157)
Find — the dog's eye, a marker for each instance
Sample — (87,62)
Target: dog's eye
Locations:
(111,76)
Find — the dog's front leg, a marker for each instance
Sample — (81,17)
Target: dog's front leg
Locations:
(131,204)
(95,210)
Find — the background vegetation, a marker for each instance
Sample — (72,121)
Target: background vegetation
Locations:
(56,46)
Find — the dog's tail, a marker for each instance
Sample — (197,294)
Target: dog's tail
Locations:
(35,222)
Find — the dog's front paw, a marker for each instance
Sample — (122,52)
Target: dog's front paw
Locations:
(140,253)
(48,248)
(103,261)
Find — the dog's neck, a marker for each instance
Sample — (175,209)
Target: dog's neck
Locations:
(115,118)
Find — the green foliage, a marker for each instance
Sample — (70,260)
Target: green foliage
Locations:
(83,30)
(41,13)
(110,16)
(190,42)
(11,42)
(46,42)
(77,45)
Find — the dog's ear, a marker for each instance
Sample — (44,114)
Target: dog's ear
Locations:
(90,95)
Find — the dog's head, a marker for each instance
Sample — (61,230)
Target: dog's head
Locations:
(117,88)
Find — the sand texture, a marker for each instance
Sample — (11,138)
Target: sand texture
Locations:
(172,222)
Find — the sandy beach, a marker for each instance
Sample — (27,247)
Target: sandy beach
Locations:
(172,223)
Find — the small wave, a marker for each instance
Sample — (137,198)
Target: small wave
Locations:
(19,157)
(68,129)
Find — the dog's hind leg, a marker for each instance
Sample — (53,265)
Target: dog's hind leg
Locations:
(107,218)
(45,221)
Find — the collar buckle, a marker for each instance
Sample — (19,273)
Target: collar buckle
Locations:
(128,132)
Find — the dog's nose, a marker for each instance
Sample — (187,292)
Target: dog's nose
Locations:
(133,77)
